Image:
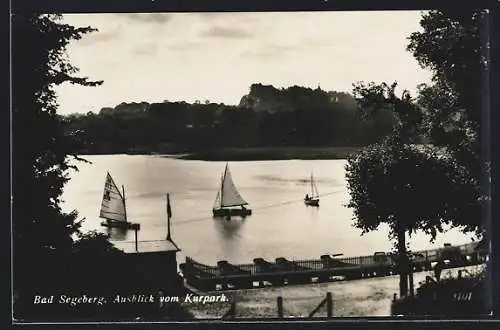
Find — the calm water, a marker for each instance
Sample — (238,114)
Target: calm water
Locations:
(281,225)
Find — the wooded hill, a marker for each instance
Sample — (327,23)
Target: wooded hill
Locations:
(266,116)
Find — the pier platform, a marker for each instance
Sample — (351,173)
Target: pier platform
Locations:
(281,271)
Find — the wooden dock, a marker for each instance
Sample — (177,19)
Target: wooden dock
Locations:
(282,271)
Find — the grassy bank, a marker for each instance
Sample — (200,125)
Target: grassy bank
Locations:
(359,298)
(271,153)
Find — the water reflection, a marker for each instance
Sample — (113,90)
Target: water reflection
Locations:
(314,212)
(117,234)
(229,228)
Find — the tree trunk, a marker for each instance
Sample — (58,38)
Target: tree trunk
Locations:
(410,280)
(402,264)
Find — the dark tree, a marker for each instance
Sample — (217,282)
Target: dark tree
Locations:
(409,188)
(41,150)
(407,116)
(51,255)
(451,46)
(423,189)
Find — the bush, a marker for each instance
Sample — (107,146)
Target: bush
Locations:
(458,297)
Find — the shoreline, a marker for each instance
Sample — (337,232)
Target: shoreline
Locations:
(250,154)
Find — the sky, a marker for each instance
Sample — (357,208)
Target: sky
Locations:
(217,56)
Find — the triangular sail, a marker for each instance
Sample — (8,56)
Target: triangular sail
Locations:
(229,195)
(113,203)
(217,203)
(217,200)
(314,189)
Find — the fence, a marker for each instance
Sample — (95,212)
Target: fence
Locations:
(284,308)
(281,264)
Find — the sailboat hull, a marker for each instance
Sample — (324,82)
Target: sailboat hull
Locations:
(223,212)
(121,224)
(311,201)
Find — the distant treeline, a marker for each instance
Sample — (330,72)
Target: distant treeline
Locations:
(267,116)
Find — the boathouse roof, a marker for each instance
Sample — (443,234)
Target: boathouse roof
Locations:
(148,246)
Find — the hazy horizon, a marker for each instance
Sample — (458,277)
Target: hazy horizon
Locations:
(217,56)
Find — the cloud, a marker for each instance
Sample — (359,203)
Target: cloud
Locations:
(275,48)
(185,45)
(227,32)
(229,17)
(101,36)
(146,49)
(269,51)
(158,18)
(317,43)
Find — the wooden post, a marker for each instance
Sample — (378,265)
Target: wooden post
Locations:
(124,205)
(329,304)
(233,307)
(403,263)
(169,215)
(231,313)
(280,307)
(135,231)
(410,278)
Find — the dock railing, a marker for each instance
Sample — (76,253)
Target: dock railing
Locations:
(420,259)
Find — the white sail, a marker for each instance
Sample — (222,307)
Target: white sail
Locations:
(113,203)
(217,203)
(314,189)
(217,200)
(229,195)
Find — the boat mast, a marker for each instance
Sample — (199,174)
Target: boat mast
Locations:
(312,185)
(124,206)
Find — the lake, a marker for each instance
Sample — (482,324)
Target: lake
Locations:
(280,226)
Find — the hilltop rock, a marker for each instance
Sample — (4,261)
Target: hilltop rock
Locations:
(126,108)
(267,98)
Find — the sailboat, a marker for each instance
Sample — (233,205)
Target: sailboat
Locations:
(229,201)
(313,198)
(113,207)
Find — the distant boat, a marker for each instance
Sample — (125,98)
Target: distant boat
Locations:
(229,201)
(113,207)
(313,198)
